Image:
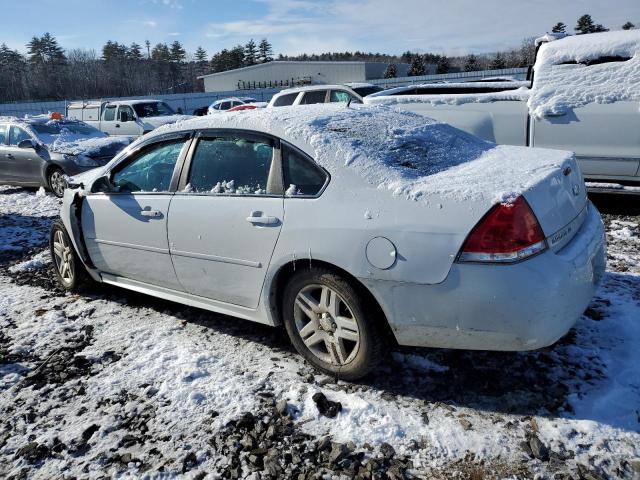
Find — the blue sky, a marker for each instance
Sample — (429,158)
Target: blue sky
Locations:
(296,26)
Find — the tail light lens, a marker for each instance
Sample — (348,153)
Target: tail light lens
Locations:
(508,232)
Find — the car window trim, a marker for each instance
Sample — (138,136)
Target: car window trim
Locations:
(229,132)
(8,139)
(130,157)
(308,158)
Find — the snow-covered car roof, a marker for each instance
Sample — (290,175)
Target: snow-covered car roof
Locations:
(577,70)
(405,153)
(497,85)
(308,88)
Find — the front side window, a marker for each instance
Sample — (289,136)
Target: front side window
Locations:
(301,175)
(126,113)
(110,113)
(285,100)
(17,134)
(225,105)
(314,97)
(341,96)
(228,165)
(3,134)
(151,170)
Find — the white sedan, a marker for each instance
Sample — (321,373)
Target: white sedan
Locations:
(354,227)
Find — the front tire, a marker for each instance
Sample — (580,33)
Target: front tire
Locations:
(70,272)
(332,324)
(57,183)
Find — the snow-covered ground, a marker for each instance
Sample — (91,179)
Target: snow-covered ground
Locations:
(113,383)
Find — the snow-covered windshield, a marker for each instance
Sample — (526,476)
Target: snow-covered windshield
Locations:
(153,109)
(51,131)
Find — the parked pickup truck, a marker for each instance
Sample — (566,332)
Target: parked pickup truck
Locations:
(583,95)
(124,117)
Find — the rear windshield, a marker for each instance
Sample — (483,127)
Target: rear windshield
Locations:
(153,109)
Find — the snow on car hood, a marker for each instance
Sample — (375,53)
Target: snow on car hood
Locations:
(560,86)
(91,147)
(405,153)
(155,122)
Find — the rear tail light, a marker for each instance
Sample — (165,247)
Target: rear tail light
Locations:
(508,232)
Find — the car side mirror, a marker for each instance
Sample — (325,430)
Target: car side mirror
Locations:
(26,144)
(102,185)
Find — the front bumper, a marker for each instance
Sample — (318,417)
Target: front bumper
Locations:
(521,306)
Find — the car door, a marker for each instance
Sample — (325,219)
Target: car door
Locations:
(125,225)
(605,137)
(108,124)
(5,161)
(126,124)
(224,226)
(25,165)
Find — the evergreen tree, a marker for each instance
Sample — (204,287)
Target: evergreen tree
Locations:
(265,51)
(628,26)
(585,25)
(443,65)
(416,67)
(250,53)
(161,53)
(177,53)
(559,28)
(114,52)
(134,52)
(498,62)
(391,71)
(52,51)
(201,55)
(471,63)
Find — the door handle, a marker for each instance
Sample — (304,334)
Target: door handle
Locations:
(257,218)
(117,125)
(150,213)
(8,155)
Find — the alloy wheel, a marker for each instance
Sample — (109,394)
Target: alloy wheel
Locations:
(326,324)
(57,183)
(63,257)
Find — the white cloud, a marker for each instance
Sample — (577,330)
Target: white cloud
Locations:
(454,26)
(174,34)
(150,23)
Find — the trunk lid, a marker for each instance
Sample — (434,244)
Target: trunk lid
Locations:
(559,202)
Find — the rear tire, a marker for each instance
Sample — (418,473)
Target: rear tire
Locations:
(332,324)
(70,271)
(57,183)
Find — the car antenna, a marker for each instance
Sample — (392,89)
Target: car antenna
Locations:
(349,102)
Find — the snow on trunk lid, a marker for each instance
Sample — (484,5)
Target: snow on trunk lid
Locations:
(559,203)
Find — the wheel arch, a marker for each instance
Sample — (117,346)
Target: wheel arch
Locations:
(279,281)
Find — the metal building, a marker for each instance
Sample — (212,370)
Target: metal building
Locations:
(295,73)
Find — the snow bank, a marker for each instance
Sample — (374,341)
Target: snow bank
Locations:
(559,87)
(404,153)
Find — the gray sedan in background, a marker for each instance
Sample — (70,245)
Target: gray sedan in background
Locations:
(39,151)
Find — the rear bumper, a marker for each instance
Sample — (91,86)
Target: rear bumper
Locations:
(522,306)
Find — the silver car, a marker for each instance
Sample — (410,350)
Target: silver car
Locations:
(352,227)
(39,151)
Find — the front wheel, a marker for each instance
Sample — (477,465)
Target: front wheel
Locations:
(70,271)
(56,182)
(332,324)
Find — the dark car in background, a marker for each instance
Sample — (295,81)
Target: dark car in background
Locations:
(39,151)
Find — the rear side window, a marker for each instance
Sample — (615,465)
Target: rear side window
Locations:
(17,134)
(227,165)
(3,134)
(151,170)
(301,175)
(110,113)
(311,98)
(285,100)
